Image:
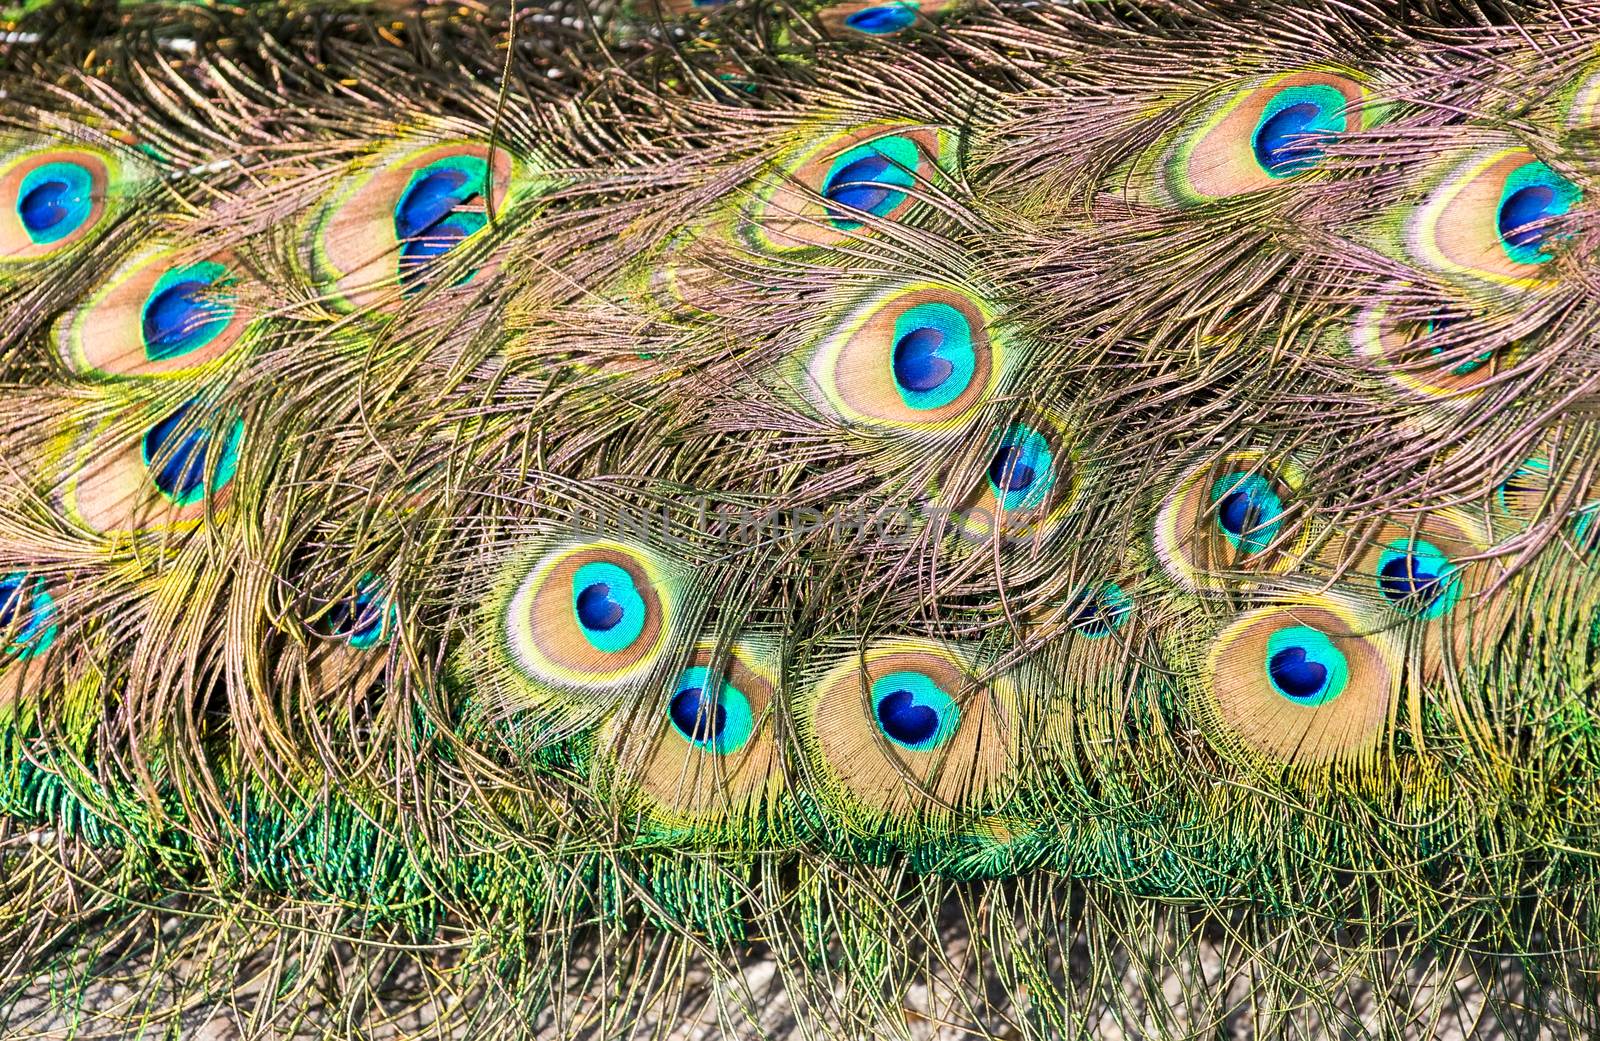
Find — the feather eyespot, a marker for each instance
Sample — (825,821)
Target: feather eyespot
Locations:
(432,216)
(1417,577)
(1273,129)
(913,711)
(1535,488)
(156,315)
(879,17)
(1029,479)
(1233,515)
(1431,330)
(712,759)
(179,455)
(933,359)
(1249,511)
(1489,218)
(1023,469)
(1440,357)
(1532,195)
(882,19)
(829,191)
(171,474)
(907,730)
(1099,612)
(56,197)
(918,357)
(872,178)
(1523,494)
(580,620)
(349,623)
(1306,683)
(1429,572)
(177,318)
(607,605)
(383,234)
(362,620)
(1419,569)
(1294,128)
(27,616)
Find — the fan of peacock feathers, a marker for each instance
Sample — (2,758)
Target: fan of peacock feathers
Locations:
(894,519)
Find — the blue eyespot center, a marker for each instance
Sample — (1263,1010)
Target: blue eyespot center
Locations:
(1296,675)
(1405,577)
(913,711)
(1521,212)
(917,364)
(871,178)
(182,465)
(47,205)
(183,312)
(415,254)
(607,605)
(1305,667)
(360,620)
(906,721)
(430,219)
(933,360)
(1295,127)
(11,597)
(596,609)
(1533,194)
(431,197)
(171,314)
(1287,142)
(720,723)
(27,616)
(1248,510)
(883,19)
(694,718)
(860,186)
(1237,513)
(54,200)
(1010,469)
(1022,470)
(1102,611)
(1418,577)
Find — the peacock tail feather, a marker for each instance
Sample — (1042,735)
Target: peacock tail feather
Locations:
(845,520)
